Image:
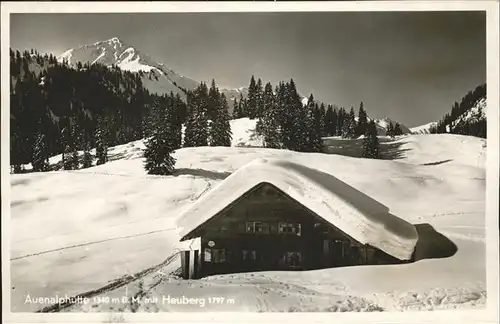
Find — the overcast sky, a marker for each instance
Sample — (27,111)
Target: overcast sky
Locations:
(408,66)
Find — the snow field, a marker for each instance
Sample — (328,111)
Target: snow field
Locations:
(74,231)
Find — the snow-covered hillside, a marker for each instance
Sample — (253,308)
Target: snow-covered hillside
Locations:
(476,113)
(473,115)
(158,78)
(79,231)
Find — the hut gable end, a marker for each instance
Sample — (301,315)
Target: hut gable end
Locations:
(297,192)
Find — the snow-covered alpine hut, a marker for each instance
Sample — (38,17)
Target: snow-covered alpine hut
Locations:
(276,215)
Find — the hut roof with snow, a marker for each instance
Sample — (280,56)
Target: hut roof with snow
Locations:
(356,214)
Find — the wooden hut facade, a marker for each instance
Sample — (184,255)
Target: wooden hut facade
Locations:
(266,229)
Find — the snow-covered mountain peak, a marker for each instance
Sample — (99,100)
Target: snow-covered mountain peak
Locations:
(156,76)
(110,52)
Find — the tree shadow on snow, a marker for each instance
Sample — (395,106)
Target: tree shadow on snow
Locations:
(345,147)
(431,244)
(389,149)
(214,175)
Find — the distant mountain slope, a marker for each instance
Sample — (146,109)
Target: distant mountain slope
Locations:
(476,114)
(383,124)
(423,129)
(156,76)
(467,117)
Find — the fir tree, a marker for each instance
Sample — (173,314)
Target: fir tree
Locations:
(196,132)
(270,123)
(101,142)
(329,126)
(213,101)
(294,116)
(213,111)
(334,122)
(259,127)
(190,121)
(397,130)
(362,121)
(157,154)
(252,99)
(70,154)
(179,111)
(73,159)
(259,100)
(161,145)
(390,130)
(341,117)
(349,125)
(313,127)
(67,158)
(242,107)
(236,109)
(370,142)
(315,137)
(301,130)
(322,112)
(87,157)
(220,128)
(40,161)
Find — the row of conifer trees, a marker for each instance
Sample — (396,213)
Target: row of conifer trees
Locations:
(60,109)
(284,122)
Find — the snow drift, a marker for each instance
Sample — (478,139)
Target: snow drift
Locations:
(358,215)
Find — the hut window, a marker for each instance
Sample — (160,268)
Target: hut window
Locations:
(219,255)
(290,228)
(265,228)
(249,255)
(208,255)
(257,227)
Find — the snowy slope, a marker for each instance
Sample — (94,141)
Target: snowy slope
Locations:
(158,78)
(476,113)
(75,231)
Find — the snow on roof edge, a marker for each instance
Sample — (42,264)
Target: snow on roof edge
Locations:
(348,209)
